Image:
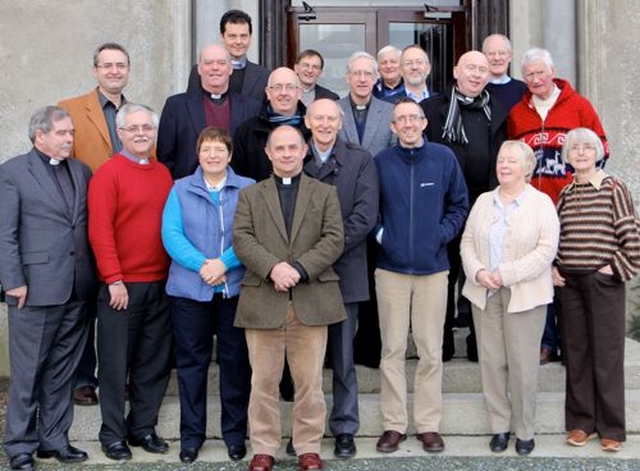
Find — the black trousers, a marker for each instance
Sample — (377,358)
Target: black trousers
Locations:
(194,324)
(136,343)
(593,324)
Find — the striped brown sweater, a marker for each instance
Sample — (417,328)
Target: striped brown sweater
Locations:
(598,226)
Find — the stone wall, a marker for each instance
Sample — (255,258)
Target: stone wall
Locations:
(46,54)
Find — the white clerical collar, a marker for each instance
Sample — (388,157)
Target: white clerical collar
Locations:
(54,162)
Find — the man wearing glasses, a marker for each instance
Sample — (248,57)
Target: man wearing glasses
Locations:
(95,141)
(126,200)
(283,106)
(366,118)
(423,206)
(309,66)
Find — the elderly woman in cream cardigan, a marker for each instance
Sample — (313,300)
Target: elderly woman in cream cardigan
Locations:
(507,249)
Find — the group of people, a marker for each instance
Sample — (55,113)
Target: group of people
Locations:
(264,210)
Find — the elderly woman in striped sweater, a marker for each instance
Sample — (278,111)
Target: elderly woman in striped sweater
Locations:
(599,251)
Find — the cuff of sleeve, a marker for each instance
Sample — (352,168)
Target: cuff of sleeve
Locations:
(304,276)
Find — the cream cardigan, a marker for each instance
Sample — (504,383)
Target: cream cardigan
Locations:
(530,244)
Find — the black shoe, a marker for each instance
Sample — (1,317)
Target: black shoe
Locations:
(237,452)
(188,455)
(525,447)
(499,442)
(152,443)
(345,446)
(68,454)
(289,449)
(118,451)
(22,461)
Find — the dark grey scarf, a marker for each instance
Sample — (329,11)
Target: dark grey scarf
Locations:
(453,130)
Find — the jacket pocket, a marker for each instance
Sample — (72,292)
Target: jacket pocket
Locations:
(251,281)
(34,258)
(328,275)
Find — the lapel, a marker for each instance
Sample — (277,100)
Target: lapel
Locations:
(195,110)
(79,184)
(96,116)
(272,201)
(250,78)
(349,122)
(43,180)
(371,126)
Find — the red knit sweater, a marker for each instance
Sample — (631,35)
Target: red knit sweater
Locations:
(571,110)
(126,201)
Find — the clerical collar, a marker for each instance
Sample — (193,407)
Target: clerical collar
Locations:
(287,180)
(239,63)
(217,98)
(359,107)
(48,160)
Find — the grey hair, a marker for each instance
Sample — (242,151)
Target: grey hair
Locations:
(527,157)
(388,49)
(536,54)
(506,40)
(43,119)
(584,135)
(362,55)
(129,108)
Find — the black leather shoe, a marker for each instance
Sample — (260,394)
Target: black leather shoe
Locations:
(289,449)
(151,443)
(118,451)
(68,454)
(525,447)
(345,446)
(499,442)
(22,462)
(236,452)
(188,455)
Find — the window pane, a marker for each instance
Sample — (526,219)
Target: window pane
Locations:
(336,42)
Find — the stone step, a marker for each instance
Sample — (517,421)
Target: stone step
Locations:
(464,414)
(460,375)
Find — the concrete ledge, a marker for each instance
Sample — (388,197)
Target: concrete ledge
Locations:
(464,414)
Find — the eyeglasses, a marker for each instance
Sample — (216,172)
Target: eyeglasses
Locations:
(535,75)
(582,147)
(362,73)
(136,129)
(411,119)
(287,87)
(111,65)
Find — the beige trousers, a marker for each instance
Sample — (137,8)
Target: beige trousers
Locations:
(304,347)
(509,354)
(416,302)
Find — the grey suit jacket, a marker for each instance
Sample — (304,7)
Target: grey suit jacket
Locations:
(260,241)
(42,245)
(377,131)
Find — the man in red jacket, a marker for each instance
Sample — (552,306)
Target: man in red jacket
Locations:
(126,200)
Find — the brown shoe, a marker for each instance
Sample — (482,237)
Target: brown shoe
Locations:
(577,437)
(609,444)
(85,396)
(546,355)
(309,461)
(261,463)
(389,441)
(432,442)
